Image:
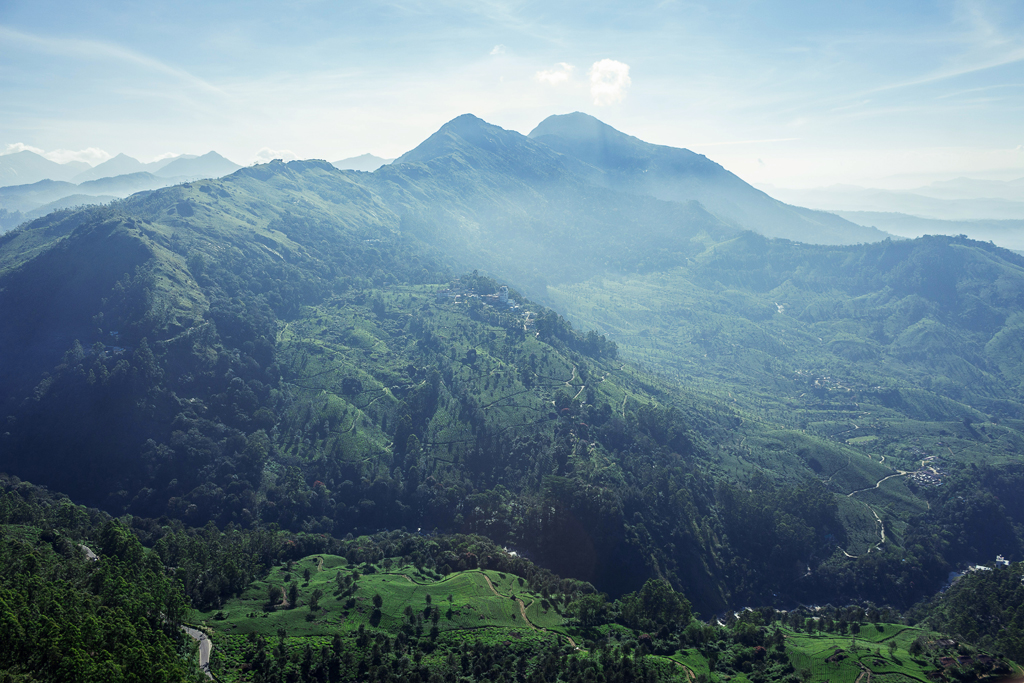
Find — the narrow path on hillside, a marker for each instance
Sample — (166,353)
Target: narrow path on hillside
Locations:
(899,473)
(881,527)
(319,564)
(522,610)
(881,524)
(689,672)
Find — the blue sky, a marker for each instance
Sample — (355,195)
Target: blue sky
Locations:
(791,93)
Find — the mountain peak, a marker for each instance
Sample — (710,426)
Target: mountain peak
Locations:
(462,132)
(577,126)
(363,162)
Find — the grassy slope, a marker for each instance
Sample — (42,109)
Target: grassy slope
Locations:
(868,651)
(477,608)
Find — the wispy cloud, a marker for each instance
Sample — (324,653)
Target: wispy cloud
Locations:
(498,50)
(15,147)
(556,76)
(609,81)
(165,155)
(93,50)
(90,155)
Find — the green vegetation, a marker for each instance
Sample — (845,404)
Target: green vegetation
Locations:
(399,621)
(66,617)
(982,607)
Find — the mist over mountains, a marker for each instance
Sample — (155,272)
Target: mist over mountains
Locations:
(115,178)
(981,209)
(26,168)
(631,165)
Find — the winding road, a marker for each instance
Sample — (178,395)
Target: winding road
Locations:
(205,649)
(881,524)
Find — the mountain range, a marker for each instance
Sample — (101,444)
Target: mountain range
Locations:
(955,200)
(752,418)
(115,178)
(1005,233)
(26,168)
(189,166)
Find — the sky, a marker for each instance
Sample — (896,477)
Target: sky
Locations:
(886,93)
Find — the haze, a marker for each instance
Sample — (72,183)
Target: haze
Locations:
(888,94)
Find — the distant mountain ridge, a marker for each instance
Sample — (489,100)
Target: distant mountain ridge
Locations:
(209,165)
(936,204)
(28,197)
(673,174)
(363,162)
(1005,233)
(23,202)
(19,203)
(26,168)
(23,168)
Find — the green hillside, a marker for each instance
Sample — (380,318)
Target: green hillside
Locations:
(346,620)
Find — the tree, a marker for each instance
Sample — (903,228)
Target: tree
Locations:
(377,600)
(293,594)
(590,609)
(654,606)
(274,594)
(314,600)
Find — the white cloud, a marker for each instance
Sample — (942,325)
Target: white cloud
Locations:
(560,74)
(266,154)
(165,155)
(90,155)
(13,148)
(498,50)
(609,81)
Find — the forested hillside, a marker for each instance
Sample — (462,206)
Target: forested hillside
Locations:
(301,348)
